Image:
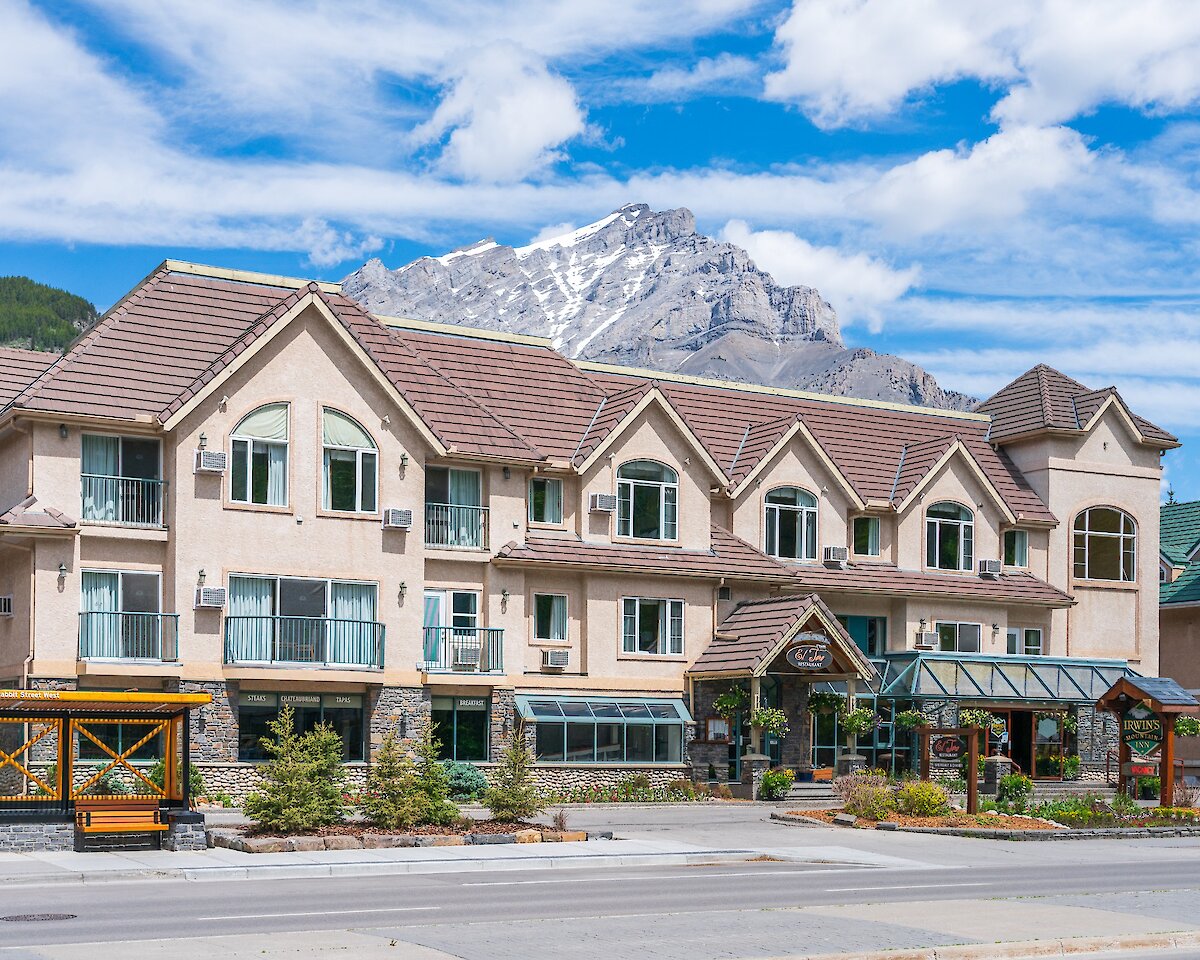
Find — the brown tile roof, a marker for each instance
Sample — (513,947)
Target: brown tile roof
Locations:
(755,628)
(610,411)
(1014,586)
(28,514)
(1045,399)
(916,460)
(18,369)
(730,557)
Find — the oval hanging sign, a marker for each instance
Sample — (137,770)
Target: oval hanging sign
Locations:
(948,748)
(810,656)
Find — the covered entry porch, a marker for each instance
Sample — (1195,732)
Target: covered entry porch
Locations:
(762,664)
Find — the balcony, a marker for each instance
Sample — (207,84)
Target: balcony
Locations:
(450,525)
(123,501)
(463,650)
(305,641)
(128,636)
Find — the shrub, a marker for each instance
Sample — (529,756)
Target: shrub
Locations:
(1125,805)
(952,784)
(639,781)
(467,782)
(870,803)
(685,787)
(776,784)
(844,786)
(302,781)
(1186,795)
(1071,768)
(157,776)
(108,785)
(920,798)
(1015,789)
(724,792)
(1149,786)
(514,796)
(392,800)
(433,782)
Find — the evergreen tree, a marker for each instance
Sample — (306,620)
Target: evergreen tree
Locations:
(302,782)
(433,782)
(38,317)
(393,801)
(514,796)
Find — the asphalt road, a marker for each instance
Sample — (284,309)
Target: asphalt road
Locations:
(107,912)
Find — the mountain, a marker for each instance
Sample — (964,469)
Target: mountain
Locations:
(39,317)
(644,289)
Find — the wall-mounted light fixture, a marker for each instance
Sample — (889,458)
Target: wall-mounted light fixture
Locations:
(403,728)
(924,624)
(202,576)
(403,589)
(387,418)
(223,402)
(203,440)
(62,570)
(403,464)
(63,431)
(504,599)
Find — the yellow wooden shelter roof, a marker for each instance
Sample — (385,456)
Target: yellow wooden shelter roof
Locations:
(115,701)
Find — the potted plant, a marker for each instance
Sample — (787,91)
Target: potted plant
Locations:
(770,720)
(972,717)
(823,701)
(910,719)
(859,721)
(728,704)
(1187,727)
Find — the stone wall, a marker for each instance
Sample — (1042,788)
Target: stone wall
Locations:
(240,779)
(26,837)
(186,832)
(402,711)
(214,726)
(569,776)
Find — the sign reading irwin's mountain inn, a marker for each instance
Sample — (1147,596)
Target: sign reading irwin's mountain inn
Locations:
(1141,729)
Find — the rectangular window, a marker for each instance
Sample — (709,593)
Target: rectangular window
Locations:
(868,633)
(460,725)
(603,731)
(342,711)
(1016,548)
(960,637)
(1025,641)
(120,616)
(259,473)
(866,536)
(549,616)
(545,500)
(652,626)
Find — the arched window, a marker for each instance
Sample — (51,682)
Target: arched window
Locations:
(350,468)
(791,524)
(260,457)
(647,501)
(949,537)
(1105,545)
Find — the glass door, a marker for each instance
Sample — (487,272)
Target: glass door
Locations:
(1047,747)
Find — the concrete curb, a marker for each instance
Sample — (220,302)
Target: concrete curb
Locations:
(277,871)
(1019,950)
(984,833)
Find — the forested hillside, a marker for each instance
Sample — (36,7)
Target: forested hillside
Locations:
(39,317)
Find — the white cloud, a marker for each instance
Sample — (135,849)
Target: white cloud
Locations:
(858,286)
(551,231)
(848,61)
(328,247)
(505,113)
(724,74)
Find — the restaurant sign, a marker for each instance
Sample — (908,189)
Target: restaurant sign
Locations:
(948,748)
(1141,730)
(810,653)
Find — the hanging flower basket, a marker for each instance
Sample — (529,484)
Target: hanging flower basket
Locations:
(910,719)
(1187,727)
(728,704)
(770,720)
(822,701)
(862,720)
(977,718)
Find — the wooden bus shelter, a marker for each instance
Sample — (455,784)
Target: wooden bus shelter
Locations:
(1146,709)
(59,748)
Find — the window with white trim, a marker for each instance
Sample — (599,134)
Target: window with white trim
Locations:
(1025,641)
(791,524)
(647,501)
(1105,541)
(949,536)
(545,500)
(1016,548)
(259,457)
(959,637)
(549,616)
(652,626)
(866,536)
(350,466)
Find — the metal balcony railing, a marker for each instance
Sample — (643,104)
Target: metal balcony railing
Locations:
(128,636)
(320,641)
(122,500)
(464,650)
(450,525)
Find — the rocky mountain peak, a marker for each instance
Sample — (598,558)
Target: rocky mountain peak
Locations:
(642,288)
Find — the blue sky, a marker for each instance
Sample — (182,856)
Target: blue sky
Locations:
(976,186)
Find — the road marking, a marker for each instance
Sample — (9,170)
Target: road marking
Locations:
(906,886)
(673,876)
(315,913)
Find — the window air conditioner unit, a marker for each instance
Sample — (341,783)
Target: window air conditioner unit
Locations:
(836,555)
(556,659)
(6,606)
(927,640)
(397,519)
(210,598)
(602,503)
(989,568)
(466,657)
(210,461)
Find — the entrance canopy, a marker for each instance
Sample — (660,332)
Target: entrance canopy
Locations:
(757,638)
(57,746)
(1161,694)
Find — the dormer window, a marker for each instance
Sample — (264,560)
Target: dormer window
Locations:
(949,537)
(350,468)
(260,457)
(791,524)
(647,501)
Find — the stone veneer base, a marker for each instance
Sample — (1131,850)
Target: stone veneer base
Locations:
(233,840)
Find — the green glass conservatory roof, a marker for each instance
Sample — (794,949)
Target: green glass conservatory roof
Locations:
(926,675)
(602,709)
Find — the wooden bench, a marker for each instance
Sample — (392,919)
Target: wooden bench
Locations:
(122,815)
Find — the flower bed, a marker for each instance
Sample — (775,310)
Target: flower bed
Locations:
(638,790)
(956,819)
(356,837)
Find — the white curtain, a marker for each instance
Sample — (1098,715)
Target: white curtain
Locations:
(340,431)
(433,619)
(558,618)
(277,474)
(265,423)
(251,597)
(101,459)
(354,641)
(101,632)
(554,501)
(326,490)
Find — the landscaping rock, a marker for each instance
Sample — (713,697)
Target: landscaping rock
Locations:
(264,844)
(551,836)
(600,835)
(343,843)
(886,825)
(492,838)
(386,841)
(305,843)
(441,840)
(573,836)
(845,819)
(529,836)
